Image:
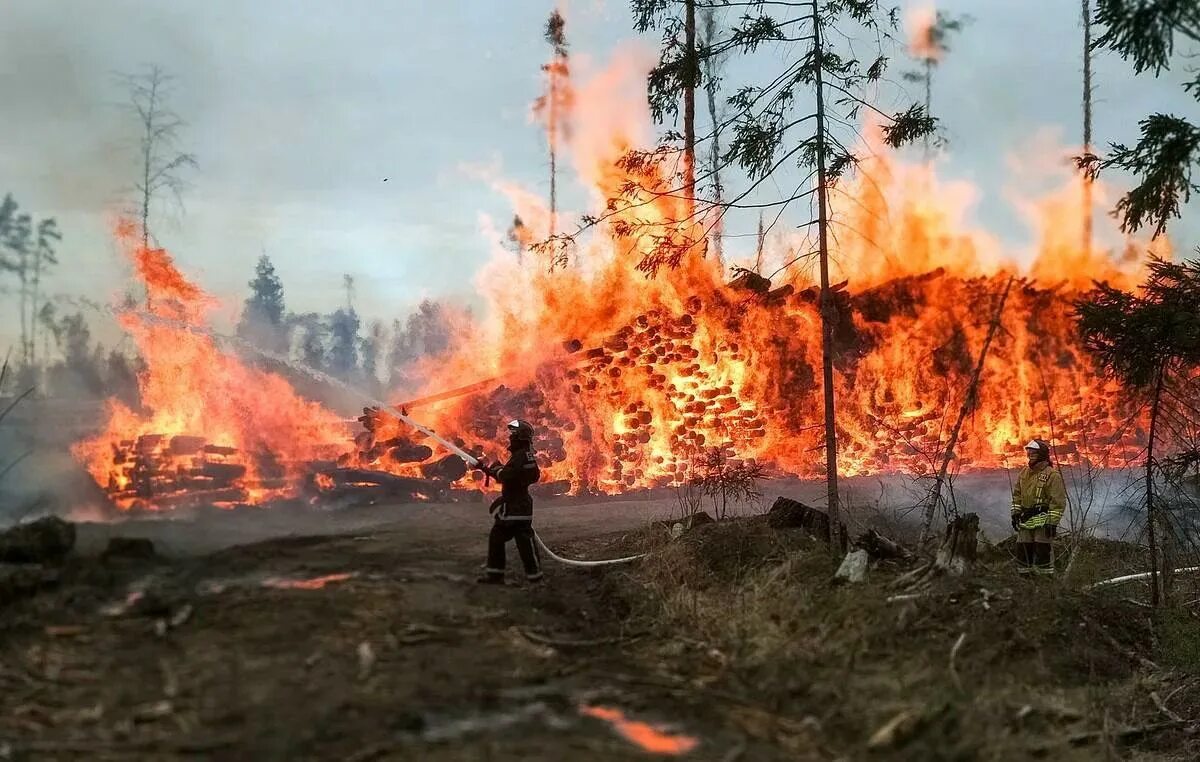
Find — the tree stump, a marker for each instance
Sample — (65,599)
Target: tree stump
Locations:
(786,513)
(960,546)
(955,557)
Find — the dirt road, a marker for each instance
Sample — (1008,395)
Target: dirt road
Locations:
(362,635)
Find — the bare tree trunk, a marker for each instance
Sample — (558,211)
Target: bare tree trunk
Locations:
(928,100)
(967,404)
(828,316)
(33,308)
(147,157)
(714,149)
(553,105)
(762,240)
(23,276)
(1151,506)
(689,112)
(1087,123)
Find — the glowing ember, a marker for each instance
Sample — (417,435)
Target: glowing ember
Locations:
(651,738)
(314,583)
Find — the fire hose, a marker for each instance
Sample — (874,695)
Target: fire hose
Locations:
(399,415)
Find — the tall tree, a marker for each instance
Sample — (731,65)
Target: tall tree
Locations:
(676,76)
(262,321)
(1168,149)
(1086,17)
(767,114)
(44,257)
(773,131)
(554,106)
(712,64)
(929,45)
(161,162)
(1150,342)
(18,240)
(372,354)
(313,335)
(344,342)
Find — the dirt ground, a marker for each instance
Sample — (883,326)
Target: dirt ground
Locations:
(359,634)
(406,658)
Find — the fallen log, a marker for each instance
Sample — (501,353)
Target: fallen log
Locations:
(389,483)
(448,469)
(410,453)
(880,547)
(551,489)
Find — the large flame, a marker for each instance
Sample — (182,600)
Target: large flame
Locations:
(210,423)
(629,380)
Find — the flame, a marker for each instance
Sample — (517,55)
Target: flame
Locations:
(312,583)
(650,738)
(922,40)
(629,381)
(211,424)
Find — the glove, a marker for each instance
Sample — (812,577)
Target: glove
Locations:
(1051,530)
(1016,521)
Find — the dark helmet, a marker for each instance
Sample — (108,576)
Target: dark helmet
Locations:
(520,432)
(1041,447)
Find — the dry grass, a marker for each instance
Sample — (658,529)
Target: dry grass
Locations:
(741,605)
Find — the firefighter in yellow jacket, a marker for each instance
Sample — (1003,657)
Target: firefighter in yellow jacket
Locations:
(1039,499)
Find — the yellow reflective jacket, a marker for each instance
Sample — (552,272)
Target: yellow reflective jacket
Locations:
(1041,486)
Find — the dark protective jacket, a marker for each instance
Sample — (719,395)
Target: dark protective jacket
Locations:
(515,477)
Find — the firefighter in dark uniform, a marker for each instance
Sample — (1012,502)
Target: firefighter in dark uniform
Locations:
(514,508)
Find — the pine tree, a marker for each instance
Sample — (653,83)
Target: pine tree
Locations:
(44,257)
(929,46)
(554,106)
(676,76)
(262,322)
(1086,18)
(17,232)
(343,343)
(711,65)
(767,118)
(773,131)
(1150,342)
(1168,149)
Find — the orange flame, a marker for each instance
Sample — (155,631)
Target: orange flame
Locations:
(651,738)
(922,41)
(313,583)
(629,381)
(211,423)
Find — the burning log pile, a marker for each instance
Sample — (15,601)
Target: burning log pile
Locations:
(687,408)
(168,471)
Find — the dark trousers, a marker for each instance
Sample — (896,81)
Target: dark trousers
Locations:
(1035,557)
(520,532)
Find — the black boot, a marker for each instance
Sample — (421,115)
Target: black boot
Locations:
(490,578)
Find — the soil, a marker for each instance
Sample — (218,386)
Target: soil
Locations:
(360,634)
(405,658)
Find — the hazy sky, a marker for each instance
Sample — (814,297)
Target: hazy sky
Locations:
(297,110)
